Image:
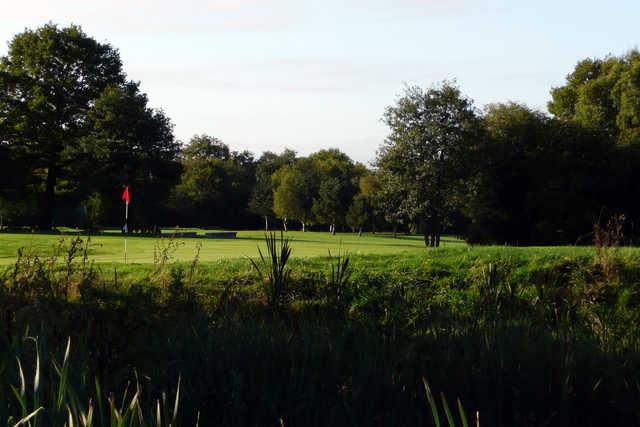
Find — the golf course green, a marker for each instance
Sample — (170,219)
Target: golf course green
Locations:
(110,248)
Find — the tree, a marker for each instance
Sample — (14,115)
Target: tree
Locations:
(328,206)
(294,188)
(49,81)
(261,201)
(359,213)
(215,185)
(370,188)
(94,210)
(602,95)
(431,136)
(16,184)
(540,180)
(389,198)
(338,179)
(505,174)
(128,144)
(206,147)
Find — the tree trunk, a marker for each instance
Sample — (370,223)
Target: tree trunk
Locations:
(436,233)
(303,226)
(266,223)
(48,203)
(284,224)
(360,232)
(333,229)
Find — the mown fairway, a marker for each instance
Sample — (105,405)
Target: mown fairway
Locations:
(141,249)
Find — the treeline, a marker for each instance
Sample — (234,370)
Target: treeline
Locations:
(74,130)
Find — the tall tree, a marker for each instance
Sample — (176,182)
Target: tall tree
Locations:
(506,170)
(431,135)
(17,184)
(540,180)
(294,188)
(359,213)
(49,81)
(328,207)
(603,95)
(128,144)
(206,147)
(370,189)
(215,184)
(390,198)
(261,201)
(338,179)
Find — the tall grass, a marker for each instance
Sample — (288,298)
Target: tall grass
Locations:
(43,399)
(436,412)
(61,405)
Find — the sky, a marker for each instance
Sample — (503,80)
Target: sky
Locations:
(306,74)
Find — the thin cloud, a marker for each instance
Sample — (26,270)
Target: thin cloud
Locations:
(155,16)
(203,80)
(294,75)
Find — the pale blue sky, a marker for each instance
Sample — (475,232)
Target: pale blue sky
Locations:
(268,74)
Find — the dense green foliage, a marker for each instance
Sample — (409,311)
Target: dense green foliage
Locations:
(542,181)
(428,151)
(214,179)
(602,94)
(261,201)
(71,126)
(74,130)
(523,336)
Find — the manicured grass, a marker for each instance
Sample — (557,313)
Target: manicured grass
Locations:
(141,249)
(110,248)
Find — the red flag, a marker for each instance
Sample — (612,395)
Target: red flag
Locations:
(125,195)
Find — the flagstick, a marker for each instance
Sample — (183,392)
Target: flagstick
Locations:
(126,220)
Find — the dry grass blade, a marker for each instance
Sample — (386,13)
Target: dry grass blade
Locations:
(23,387)
(175,404)
(26,419)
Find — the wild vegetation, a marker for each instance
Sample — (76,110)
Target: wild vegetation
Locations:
(522,337)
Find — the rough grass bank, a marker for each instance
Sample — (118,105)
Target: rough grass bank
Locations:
(535,336)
